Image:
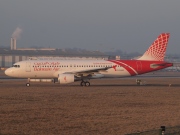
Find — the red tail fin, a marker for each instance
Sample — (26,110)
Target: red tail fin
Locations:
(158,49)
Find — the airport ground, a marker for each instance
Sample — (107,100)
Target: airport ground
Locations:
(107,107)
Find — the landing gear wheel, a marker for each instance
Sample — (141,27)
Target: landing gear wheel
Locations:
(27,84)
(87,83)
(83,83)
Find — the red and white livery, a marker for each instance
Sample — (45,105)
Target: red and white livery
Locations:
(69,71)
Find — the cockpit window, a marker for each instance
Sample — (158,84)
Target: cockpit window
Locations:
(16,66)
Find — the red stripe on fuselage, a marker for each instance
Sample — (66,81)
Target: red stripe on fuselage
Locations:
(131,72)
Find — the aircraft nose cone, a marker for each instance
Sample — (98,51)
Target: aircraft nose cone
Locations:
(8,72)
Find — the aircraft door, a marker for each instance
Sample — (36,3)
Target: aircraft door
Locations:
(139,65)
(28,66)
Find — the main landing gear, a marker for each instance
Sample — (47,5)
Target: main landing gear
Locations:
(85,83)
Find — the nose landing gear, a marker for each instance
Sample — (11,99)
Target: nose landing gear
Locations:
(27,84)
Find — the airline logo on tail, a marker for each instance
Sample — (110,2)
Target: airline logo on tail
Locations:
(157,50)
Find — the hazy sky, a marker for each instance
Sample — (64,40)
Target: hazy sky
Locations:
(105,25)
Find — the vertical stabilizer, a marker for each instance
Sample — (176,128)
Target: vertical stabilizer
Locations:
(157,50)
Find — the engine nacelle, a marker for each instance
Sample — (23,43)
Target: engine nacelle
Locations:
(66,78)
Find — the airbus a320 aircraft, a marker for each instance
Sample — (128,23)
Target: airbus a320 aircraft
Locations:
(69,71)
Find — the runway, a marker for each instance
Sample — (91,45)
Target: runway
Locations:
(108,106)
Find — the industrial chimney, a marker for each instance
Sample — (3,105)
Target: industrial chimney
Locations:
(13,44)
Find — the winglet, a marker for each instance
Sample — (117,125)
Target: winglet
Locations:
(157,50)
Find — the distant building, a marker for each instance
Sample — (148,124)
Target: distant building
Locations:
(117,57)
(35,49)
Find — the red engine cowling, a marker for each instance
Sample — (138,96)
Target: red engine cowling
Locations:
(66,78)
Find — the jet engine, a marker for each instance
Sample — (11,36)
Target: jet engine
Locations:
(66,78)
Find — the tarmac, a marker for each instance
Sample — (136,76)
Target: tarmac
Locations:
(107,107)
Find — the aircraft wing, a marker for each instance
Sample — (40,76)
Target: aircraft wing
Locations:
(88,72)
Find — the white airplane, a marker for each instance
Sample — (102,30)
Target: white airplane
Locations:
(69,71)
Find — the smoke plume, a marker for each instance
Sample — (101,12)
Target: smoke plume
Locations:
(17,33)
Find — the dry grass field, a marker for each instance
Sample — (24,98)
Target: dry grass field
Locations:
(108,107)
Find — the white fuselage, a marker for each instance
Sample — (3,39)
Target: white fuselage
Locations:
(52,68)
